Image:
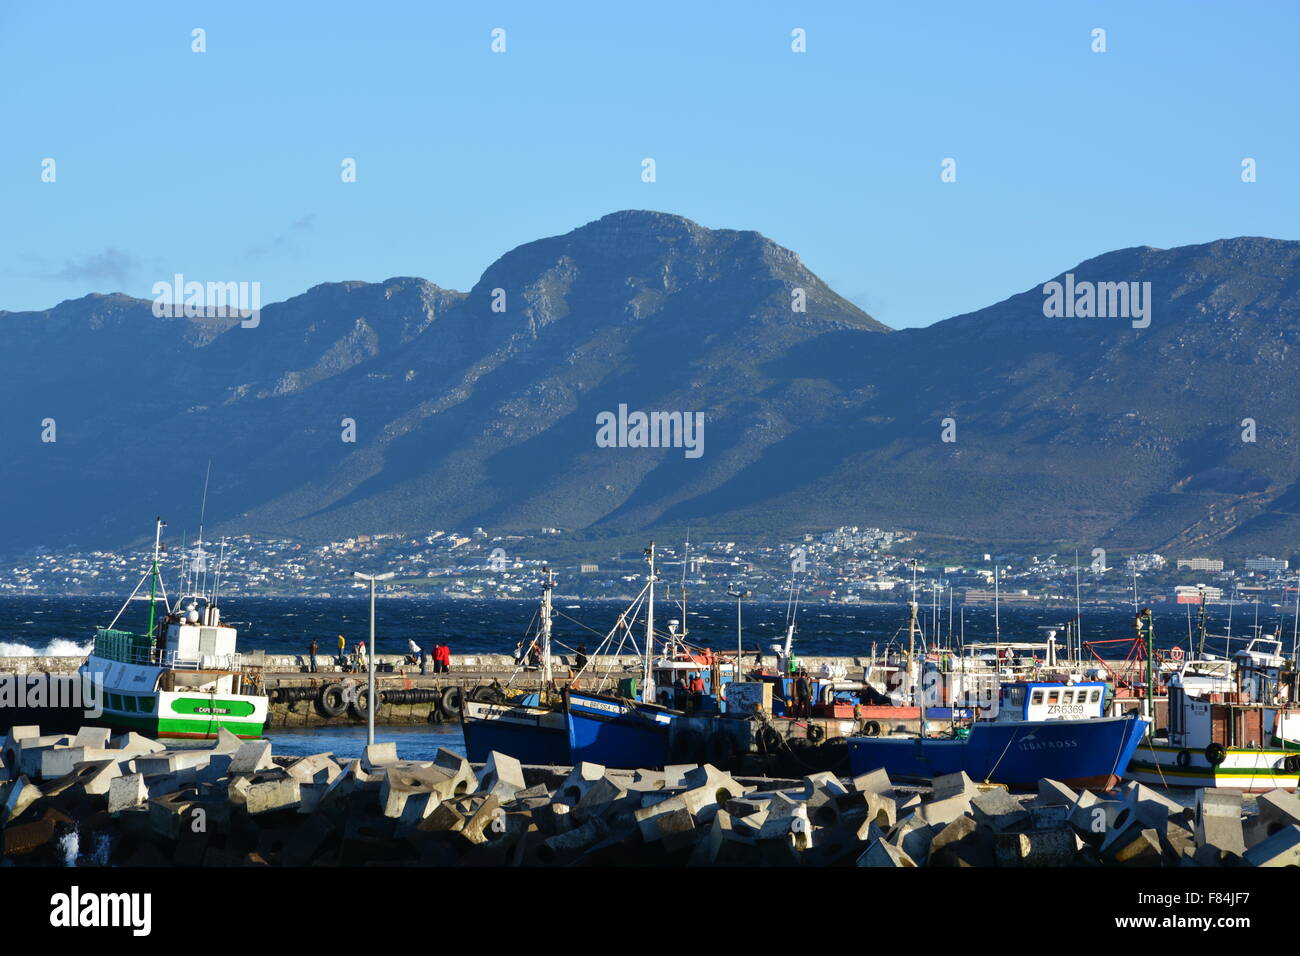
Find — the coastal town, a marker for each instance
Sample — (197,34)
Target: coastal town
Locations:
(845,565)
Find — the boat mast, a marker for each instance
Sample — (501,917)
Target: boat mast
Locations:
(1200,627)
(153,570)
(647,680)
(911,646)
(686,558)
(1078,608)
(949,641)
(548,582)
(917,696)
(1295,627)
(201,584)
(1144,617)
(997,617)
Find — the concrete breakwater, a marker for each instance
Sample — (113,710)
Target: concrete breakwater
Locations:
(129,800)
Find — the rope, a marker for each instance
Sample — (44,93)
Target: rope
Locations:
(1154,759)
(994,769)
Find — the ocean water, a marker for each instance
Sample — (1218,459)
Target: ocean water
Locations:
(63,626)
(347,743)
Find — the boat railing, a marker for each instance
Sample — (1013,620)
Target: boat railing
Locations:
(128,648)
(123,646)
(203,662)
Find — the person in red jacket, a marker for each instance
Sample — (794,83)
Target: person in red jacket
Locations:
(442,659)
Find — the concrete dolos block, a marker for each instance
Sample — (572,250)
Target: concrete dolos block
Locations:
(1278,809)
(881,853)
(379,755)
(20,795)
(314,769)
(126,791)
(999,811)
(502,776)
(264,793)
(1281,849)
(96,737)
(251,757)
(581,779)
(1218,820)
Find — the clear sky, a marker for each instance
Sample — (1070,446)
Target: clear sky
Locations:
(225,165)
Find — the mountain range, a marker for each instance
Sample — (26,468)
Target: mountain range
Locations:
(480,408)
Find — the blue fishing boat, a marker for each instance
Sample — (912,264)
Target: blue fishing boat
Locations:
(1041,729)
(616,732)
(531,728)
(623,731)
(527,730)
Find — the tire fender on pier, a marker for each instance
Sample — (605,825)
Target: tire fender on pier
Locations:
(358,705)
(451,701)
(331,700)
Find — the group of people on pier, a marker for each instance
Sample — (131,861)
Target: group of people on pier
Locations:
(357,660)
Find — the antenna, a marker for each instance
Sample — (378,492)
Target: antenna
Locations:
(221,559)
(997,616)
(686,560)
(203,510)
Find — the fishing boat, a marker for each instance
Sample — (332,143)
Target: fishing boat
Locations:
(1020,745)
(1036,729)
(529,727)
(182,677)
(1245,738)
(623,730)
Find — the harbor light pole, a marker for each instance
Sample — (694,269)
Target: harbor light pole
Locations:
(739,596)
(370,686)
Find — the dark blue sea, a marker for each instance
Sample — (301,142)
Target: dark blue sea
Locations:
(62,625)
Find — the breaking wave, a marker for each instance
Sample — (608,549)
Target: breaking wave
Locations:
(59,647)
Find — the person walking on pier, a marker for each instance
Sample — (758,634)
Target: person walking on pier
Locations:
(312,648)
(802,695)
(343,651)
(580,660)
(424,662)
(442,659)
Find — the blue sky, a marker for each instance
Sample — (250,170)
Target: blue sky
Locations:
(225,165)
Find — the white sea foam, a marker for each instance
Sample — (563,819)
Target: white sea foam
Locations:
(59,647)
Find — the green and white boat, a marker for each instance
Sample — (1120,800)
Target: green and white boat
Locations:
(182,677)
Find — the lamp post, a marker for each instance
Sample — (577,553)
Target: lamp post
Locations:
(370,686)
(739,596)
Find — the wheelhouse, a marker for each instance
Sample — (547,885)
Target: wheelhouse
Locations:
(1033,700)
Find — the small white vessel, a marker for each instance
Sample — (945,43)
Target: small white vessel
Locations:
(181,677)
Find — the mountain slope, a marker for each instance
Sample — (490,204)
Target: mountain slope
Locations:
(480,408)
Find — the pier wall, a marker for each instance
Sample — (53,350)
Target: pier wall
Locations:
(470,663)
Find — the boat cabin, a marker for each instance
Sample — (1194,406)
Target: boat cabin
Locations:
(1051,700)
(194,637)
